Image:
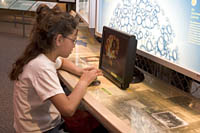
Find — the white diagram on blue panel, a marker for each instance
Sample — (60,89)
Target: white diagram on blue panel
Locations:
(147,21)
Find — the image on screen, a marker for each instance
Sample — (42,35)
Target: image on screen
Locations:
(114,55)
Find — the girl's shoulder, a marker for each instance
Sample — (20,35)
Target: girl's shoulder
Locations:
(40,63)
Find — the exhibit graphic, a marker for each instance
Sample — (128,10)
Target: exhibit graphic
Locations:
(114,55)
(112,47)
(166,29)
(142,19)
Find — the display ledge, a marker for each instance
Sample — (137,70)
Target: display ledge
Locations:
(151,105)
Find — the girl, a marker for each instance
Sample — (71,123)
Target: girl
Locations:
(39,100)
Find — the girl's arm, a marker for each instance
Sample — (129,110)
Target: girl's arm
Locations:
(67,105)
(69,66)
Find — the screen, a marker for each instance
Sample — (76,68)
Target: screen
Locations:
(117,58)
(167,31)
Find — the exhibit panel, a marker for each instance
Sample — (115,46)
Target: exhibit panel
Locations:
(66,0)
(86,10)
(5,4)
(167,31)
(49,4)
(22,5)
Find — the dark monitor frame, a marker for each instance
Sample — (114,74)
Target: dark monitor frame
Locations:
(130,56)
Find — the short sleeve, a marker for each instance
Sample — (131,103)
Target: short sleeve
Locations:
(58,63)
(47,84)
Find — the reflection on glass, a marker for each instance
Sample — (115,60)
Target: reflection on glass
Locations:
(84,9)
(6,3)
(22,5)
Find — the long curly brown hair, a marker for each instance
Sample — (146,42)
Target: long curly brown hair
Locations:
(49,23)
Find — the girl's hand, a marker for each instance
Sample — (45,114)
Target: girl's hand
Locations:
(93,68)
(90,74)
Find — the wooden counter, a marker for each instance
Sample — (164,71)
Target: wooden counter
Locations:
(139,108)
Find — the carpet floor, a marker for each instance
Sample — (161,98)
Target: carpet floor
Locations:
(11,47)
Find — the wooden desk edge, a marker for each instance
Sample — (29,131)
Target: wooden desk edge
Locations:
(106,117)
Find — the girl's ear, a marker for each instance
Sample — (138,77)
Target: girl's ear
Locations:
(59,39)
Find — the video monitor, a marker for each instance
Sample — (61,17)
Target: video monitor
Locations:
(117,57)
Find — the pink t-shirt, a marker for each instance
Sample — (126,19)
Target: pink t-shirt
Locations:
(33,112)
